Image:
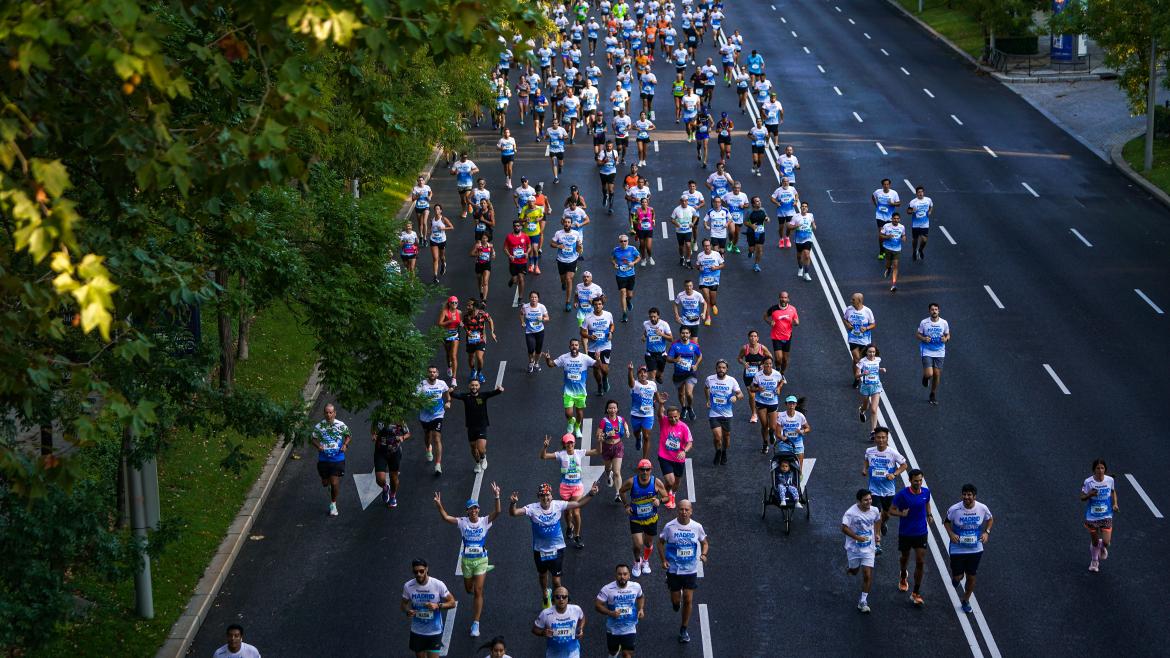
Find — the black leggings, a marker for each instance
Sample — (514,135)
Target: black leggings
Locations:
(535,342)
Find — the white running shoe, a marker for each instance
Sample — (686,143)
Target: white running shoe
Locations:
(332,509)
(609,478)
(483,464)
(863,606)
(652,260)
(477,468)
(637,569)
(1093,566)
(438,469)
(430,455)
(798,505)
(645,566)
(1104,551)
(807,276)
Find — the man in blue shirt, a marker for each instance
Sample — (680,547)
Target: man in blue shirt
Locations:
(625,257)
(912,504)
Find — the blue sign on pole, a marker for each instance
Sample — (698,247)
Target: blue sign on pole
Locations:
(1061,45)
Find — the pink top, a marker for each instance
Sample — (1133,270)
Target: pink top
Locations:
(672,438)
(645,218)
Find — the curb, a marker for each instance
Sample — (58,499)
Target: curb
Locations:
(1002,77)
(187,625)
(1130,173)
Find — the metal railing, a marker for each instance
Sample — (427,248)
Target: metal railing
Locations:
(1008,63)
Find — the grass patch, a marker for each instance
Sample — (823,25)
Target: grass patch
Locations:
(953,23)
(198,495)
(1135,154)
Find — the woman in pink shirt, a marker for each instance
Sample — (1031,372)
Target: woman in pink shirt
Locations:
(674,441)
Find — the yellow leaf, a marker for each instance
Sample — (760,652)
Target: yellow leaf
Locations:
(95,315)
(62,262)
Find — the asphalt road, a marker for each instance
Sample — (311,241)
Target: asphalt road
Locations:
(310,584)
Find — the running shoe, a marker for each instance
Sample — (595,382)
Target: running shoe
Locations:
(454,382)
(756,267)
(477,468)
(714,310)
(536,269)
(645,567)
(902,584)
(799,505)
(856,382)
(652,260)
(807,276)
(475,629)
(332,509)
(877,550)
(617,498)
(723,456)
(609,478)
(683,636)
(547,601)
(1093,566)
(881,256)
(393,501)
(430,455)
(438,470)
(577,543)
(1104,552)
(670,501)
(386,494)
(637,570)
(861,413)
(966,605)
(862,606)
(916,599)
(894,288)
(568,307)
(933,400)
(753,419)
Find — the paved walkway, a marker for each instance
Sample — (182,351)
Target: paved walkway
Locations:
(1093,111)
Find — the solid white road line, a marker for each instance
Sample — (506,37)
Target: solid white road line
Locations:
(820,68)
(993,297)
(1029,188)
(881,148)
(664,233)
(867,35)
(956,119)
(660,183)
(670,288)
(448,629)
(500,374)
(989,151)
(903,68)
(858,117)
(909,185)
(806,50)
(705,629)
(1081,237)
(946,234)
(837,301)
(927,91)
(1055,378)
(656,146)
(837,90)
(1142,492)
(1149,301)
(884,52)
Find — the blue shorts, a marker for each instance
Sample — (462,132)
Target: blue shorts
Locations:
(641,423)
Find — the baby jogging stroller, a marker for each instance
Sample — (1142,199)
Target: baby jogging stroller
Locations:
(784,453)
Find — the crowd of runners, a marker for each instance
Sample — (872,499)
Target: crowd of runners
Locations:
(557,90)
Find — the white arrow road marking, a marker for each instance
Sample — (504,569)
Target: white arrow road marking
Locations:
(367,487)
(448,629)
(806,472)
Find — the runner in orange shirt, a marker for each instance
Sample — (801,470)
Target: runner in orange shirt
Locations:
(782,317)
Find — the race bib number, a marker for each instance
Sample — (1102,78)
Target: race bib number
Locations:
(643,509)
(474,336)
(573,376)
(685,552)
(685,363)
(646,409)
(673,443)
(624,610)
(968,540)
(719,399)
(751,371)
(878,473)
(518,252)
(563,632)
(472,551)
(572,476)
(546,556)
(1099,508)
(425,615)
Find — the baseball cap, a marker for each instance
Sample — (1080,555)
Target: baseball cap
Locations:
(471,502)
(452,298)
(723,114)
(645,463)
(544,490)
(790,398)
(587,273)
(568,438)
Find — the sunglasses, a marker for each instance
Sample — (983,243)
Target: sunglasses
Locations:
(561,597)
(647,470)
(420,571)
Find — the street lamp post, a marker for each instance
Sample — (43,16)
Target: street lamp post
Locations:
(1151,104)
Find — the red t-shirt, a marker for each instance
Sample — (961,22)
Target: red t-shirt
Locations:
(782,320)
(517,248)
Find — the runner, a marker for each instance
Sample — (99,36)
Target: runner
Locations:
(517,245)
(563,626)
(623,605)
(438,396)
(703,125)
(388,439)
(933,335)
(534,216)
(408,248)
(684,218)
(674,442)
(475,409)
(736,202)
(882,466)
(642,393)
(802,226)
(773,113)
(690,111)
(612,430)
(597,331)
(755,65)
(788,165)
(478,325)
(968,524)
(621,123)
(921,208)
(912,505)
(421,195)
(507,148)
(690,308)
(710,263)
(556,148)
(792,426)
(892,234)
(787,202)
(722,393)
(607,159)
(862,533)
(437,238)
(646,493)
(751,355)
(758,135)
(624,259)
(496,647)
(686,357)
(766,387)
(575,212)
(473,559)
(868,371)
(859,322)
(236,647)
(783,318)
(885,201)
(569,244)
(1099,493)
(331,439)
(742,86)
(484,215)
(643,222)
(682,548)
(423,600)
(571,487)
(716,221)
(657,337)
(678,86)
(548,542)
(532,317)
(587,291)
(464,172)
(756,224)
(644,125)
(574,364)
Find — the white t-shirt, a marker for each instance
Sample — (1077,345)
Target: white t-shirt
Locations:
(861,523)
(624,600)
(685,216)
(246,651)
(858,320)
(656,342)
(600,328)
(683,546)
(879,464)
(968,525)
(935,330)
(425,621)
(474,535)
(920,212)
(546,525)
(585,296)
(563,643)
(721,394)
(568,241)
(885,203)
(717,220)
